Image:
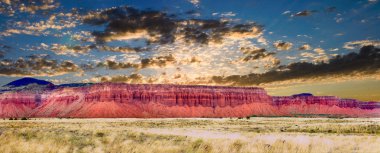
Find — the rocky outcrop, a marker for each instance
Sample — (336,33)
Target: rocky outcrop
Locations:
(125,100)
(150,101)
(18,104)
(306,105)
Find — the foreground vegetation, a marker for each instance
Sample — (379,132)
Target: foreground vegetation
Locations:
(191,135)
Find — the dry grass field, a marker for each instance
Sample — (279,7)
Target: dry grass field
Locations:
(268,135)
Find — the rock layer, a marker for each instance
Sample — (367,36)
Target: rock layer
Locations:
(150,101)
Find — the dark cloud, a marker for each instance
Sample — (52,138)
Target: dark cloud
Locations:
(117,65)
(159,27)
(281,45)
(123,20)
(255,53)
(61,49)
(37,65)
(366,61)
(305,47)
(71,49)
(160,61)
(133,78)
(121,49)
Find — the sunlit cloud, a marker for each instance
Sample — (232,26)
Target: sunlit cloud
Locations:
(361,43)
(37,65)
(281,45)
(305,47)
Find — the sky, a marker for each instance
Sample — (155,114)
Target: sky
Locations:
(325,47)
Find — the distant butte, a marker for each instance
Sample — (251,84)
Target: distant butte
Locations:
(118,100)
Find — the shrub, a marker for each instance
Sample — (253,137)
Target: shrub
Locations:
(200,146)
(236,146)
(99,134)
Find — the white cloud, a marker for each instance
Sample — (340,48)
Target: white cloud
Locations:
(333,49)
(228,14)
(286,12)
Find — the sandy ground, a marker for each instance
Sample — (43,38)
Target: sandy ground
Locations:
(257,134)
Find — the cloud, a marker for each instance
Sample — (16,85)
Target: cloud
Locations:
(228,14)
(11,7)
(195,2)
(127,23)
(133,78)
(159,61)
(120,49)
(361,43)
(307,55)
(281,45)
(73,50)
(111,64)
(320,51)
(305,47)
(54,26)
(84,36)
(37,65)
(338,20)
(365,62)
(286,12)
(53,22)
(333,49)
(304,13)
(372,1)
(245,31)
(255,53)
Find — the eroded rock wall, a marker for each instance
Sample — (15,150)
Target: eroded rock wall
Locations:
(127,100)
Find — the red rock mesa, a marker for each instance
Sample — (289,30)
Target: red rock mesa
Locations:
(108,100)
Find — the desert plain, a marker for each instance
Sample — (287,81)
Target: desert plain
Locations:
(191,135)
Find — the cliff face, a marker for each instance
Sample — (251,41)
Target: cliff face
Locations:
(325,105)
(123,100)
(126,100)
(324,100)
(17,104)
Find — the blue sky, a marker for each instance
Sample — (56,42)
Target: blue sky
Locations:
(166,41)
